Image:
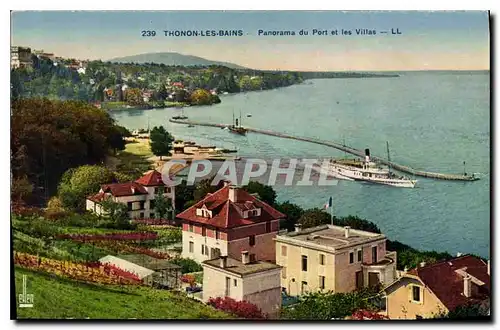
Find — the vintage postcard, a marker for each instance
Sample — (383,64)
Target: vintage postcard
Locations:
(230,165)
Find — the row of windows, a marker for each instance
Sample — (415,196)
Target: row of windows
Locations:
(251,238)
(151,215)
(360,255)
(321,283)
(142,205)
(204,231)
(167,190)
(205,250)
(130,205)
(322,258)
(252,213)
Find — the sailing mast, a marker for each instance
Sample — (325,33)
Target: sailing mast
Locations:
(345,152)
(240,117)
(233,117)
(388,157)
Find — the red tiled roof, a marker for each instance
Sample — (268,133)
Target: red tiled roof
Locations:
(124,189)
(443,280)
(226,214)
(97,198)
(151,178)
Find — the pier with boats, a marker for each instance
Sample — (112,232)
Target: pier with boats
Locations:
(342,147)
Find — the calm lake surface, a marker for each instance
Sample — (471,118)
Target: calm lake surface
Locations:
(433,121)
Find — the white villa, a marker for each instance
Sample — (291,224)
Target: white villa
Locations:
(138,195)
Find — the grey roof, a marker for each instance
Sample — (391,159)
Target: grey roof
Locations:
(237,267)
(329,236)
(140,271)
(149,262)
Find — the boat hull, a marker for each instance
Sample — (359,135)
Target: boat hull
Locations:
(399,183)
(333,174)
(367,174)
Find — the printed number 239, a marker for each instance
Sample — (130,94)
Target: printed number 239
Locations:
(148,33)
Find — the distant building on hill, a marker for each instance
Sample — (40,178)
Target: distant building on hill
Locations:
(41,54)
(20,57)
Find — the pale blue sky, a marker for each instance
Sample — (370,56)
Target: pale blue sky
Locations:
(429,40)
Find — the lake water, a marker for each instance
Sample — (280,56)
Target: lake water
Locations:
(433,121)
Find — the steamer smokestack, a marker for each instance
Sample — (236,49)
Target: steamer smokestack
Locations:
(367,155)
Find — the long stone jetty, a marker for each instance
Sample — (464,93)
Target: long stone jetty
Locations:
(339,146)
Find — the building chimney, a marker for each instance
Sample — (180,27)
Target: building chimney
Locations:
(223,262)
(467,285)
(245,258)
(367,155)
(298,227)
(488,267)
(233,193)
(347,231)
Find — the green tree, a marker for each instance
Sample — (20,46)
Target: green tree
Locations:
(472,311)
(256,83)
(183,195)
(201,97)
(81,182)
(245,83)
(314,217)
(162,93)
(329,305)
(161,141)
(117,213)
(162,204)
(357,223)
(265,193)
(181,96)
(21,189)
(49,137)
(133,96)
(187,265)
(204,187)
(121,177)
(116,138)
(293,213)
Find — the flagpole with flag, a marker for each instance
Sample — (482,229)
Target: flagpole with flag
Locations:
(330,205)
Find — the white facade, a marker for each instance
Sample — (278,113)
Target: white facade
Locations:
(201,248)
(139,205)
(262,289)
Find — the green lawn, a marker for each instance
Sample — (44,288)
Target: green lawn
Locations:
(113,105)
(134,159)
(59,298)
